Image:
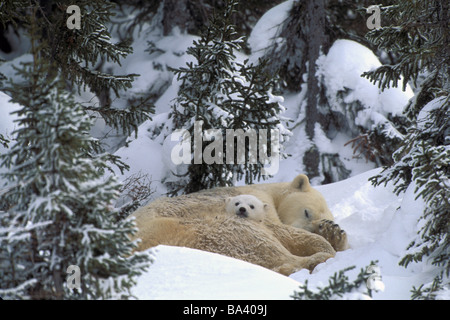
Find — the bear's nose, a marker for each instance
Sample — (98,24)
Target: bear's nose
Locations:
(242,212)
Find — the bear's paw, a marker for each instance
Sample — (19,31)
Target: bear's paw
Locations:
(333,233)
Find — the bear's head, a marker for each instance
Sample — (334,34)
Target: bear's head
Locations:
(246,206)
(302,206)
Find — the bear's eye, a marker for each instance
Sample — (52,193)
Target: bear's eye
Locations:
(306,214)
(252,206)
(236,204)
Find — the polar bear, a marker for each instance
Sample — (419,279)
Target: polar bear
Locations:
(297,231)
(246,206)
(281,248)
(293,203)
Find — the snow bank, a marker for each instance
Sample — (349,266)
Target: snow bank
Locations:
(361,103)
(7,124)
(380,226)
(377,230)
(266,30)
(144,157)
(341,71)
(189,274)
(152,67)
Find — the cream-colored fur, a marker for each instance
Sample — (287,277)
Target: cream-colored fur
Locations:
(246,206)
(296,233)
(281,248)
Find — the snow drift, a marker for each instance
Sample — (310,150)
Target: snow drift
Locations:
(377,230)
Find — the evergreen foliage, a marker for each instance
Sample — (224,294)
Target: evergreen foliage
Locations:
(78,54)
(288,53)
(429,291)
(223,94)
(338,286)
(3,141)
(188,16)
(60,203)
(419,35)
(294,53)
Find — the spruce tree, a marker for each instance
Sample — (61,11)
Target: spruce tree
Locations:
(419,35)
(339,286)
(221,94)
(78,54)
(60,203)
(295,52)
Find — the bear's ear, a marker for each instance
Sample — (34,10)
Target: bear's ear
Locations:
(227,200)
(301,182)
(266,207)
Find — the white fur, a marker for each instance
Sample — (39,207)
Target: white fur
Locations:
(246,206)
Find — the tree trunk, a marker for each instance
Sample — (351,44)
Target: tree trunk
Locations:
(316,39)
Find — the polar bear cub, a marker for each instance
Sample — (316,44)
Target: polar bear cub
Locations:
(246,206)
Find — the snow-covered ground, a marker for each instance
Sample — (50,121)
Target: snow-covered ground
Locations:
(189,274)
(377,230)
(379,224)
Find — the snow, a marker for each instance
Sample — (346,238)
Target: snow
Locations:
(379,224)
(267,28)
(341,70)
(7,125)
(190,274)
(424,114)
(19,43)
(137,154)
(377,230)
